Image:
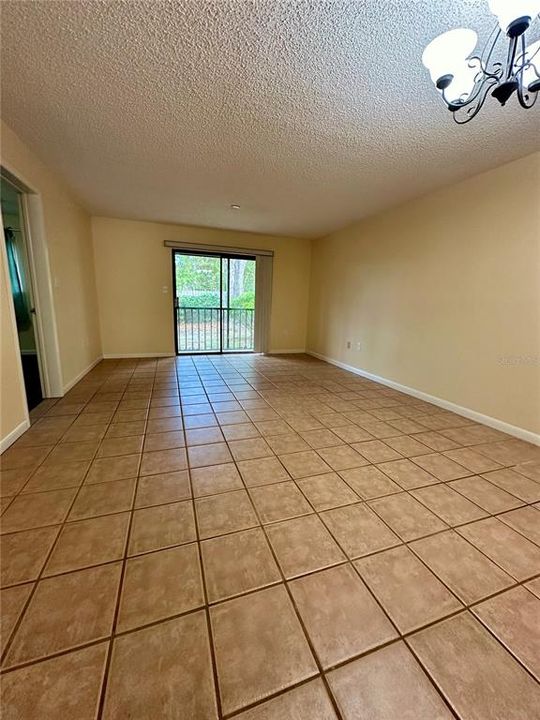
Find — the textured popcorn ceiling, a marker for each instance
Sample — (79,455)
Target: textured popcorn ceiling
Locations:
(308,113)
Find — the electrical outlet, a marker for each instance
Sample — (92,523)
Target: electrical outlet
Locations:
(348,344)
(358,346)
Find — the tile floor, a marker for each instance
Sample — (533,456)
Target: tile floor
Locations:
(266,538)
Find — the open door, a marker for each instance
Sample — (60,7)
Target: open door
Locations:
(21,290)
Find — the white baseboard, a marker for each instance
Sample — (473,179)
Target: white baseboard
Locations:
(294,351)
(495,423)
(80,376)
(132,356)
(14,435)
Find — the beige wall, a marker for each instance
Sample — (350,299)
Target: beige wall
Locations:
(443,293)
(132,267)
(69,241)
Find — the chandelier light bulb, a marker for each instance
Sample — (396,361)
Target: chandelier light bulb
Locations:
(446,55)
(510,11)
(462,85)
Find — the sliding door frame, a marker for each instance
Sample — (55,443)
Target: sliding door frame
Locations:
(221,256)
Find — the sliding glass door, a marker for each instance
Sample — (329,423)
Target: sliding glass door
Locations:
(214,302)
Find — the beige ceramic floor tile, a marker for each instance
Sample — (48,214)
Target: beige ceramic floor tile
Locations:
(486,495)
(449,505)
(163,461)
(304,464)
(530,469)
(164,667)
(159,585)
(116,468)
(57,476)
(213,454)
(204,436)
(24,457)
(411,595)
(436,441)
(369,482)
(516,484)
(285,444)
(165,488)
(228,512)
(327,491)
(260,647)
(250,449)
(89,542)
(461,567)
(103,499)
(358,530)
(534,587)
(12,481)
(111,447)
(318,439)
(37,510)
(215,479)
(234,564)
(408,446)
(340,615)
(165,441)
(66,611)
(478,676)
(279,502)
(162,526)
(406,516)
(23,554)
(473,461)
(441,467)
(386,685)
(306,701)
(376,451)
(514,553)
(12,601)
(342,457)
(407,474)
(262,471)
(509,452)
(242,431)
(67,686)
(514,617)
(303,545)
(525,520)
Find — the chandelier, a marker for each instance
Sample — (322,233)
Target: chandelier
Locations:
(464,79)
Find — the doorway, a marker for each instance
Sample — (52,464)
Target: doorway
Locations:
(214,302)
(22,290)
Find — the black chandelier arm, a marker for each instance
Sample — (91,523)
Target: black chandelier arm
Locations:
(491,44)
(464,113)
(487,81)
(525,98)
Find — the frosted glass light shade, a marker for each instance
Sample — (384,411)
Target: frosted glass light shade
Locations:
(507,11)
(531,56)
(462,85)
(445,55)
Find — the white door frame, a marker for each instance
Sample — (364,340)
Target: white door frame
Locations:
(38,259)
